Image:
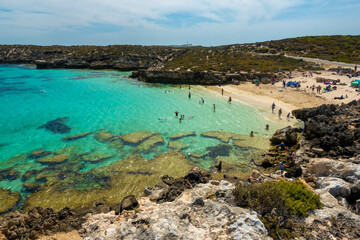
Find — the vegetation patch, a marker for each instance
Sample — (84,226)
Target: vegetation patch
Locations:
(281,205)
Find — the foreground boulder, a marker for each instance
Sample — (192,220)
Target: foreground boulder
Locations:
(286,135)
(205,212)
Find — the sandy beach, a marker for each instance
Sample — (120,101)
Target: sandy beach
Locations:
(290,98)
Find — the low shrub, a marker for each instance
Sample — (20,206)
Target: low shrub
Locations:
(281,197)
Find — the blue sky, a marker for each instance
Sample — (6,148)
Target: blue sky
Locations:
(169,22)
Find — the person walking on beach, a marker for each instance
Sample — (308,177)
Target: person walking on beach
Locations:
(273,107)
(284,83)
(318,89)
(280,112)
(288,117)
(189,94)
(214,107)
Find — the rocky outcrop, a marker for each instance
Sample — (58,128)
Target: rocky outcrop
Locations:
(331,130)
(120,57)
(205,212)
(287,135)
(196,77)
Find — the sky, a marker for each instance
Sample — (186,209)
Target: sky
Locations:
(172,22)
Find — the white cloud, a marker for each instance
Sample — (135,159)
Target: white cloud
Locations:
(50,14)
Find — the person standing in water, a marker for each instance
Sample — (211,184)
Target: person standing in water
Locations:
(251,133)
(222,91)
(273,107)
(176,113)
(202,100)
(214,107)
(280,112)
(267,127)
(189,94)
(229,100)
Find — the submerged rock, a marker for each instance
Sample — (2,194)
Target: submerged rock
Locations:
(116,144)
(9,174)
(96,157)
(39,154)
(222,136)
(137,137)
(76,136)
(150,143)
(179,145)
(31,187)
(105,136)
(53,159)
(182,134)
(69,151)
(8,199)
(57,126)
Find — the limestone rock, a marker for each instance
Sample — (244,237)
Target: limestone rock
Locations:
(96,157)
(336,186)
(76,136)
(177,145)
(50,160)
(137,137)
(8,200)
(287,135)
(182,134)
(193,215)
(128,203)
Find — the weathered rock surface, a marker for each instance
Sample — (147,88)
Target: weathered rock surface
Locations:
(287,135)
(137,137)
(8,200)
(179,135)
(76,136)
(57,126)
(331,130)
(336,186)
(56,159)
(199,213)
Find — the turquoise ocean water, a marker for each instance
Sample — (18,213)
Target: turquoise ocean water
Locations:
(108,101)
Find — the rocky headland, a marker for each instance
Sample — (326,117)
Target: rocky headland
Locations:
(326,165)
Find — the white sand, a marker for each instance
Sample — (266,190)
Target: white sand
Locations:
(288,99)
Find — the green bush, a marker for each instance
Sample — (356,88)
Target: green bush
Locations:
(281,198)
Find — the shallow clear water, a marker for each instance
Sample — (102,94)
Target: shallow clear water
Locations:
(108,101)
